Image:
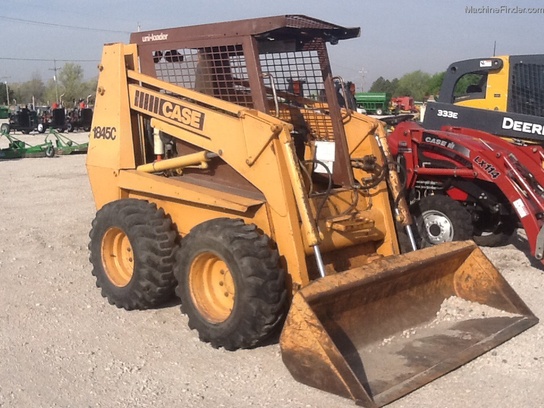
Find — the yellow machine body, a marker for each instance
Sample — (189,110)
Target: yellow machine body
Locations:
(500,95)
(507,83)
(494,89)
(235,151)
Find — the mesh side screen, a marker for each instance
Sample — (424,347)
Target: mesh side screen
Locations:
(216,71)
(221,72)
(300,88)
(528,89)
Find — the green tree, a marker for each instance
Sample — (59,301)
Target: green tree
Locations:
(414,84)
(51,91)
(466,80)
(435,83)
(32,91)
(394,85)
(90,90)
(379,85)
(70,84)
(384,85)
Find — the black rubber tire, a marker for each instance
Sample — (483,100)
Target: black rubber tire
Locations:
(5,128)
(494,232)
(440,219)
(249,269)
(144,277)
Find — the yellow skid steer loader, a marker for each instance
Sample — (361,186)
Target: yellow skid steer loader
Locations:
(227,168)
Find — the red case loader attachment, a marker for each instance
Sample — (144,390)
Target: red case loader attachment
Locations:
(488,175)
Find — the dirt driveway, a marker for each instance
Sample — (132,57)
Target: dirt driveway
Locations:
(63,345)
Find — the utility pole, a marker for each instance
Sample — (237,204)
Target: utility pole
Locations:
(7,89)
(363,73)
(55,79)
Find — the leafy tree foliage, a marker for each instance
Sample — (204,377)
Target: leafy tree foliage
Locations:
(433,87)
(414,84)
(417,84)
(68,88)
(465,81)
(384,85)
(33,90)
(70,80)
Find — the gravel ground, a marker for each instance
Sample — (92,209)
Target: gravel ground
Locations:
(63,345)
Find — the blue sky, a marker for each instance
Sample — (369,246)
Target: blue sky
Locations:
(397,36)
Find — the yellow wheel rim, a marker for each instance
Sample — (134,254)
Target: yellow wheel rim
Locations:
(212,287)
(117,257)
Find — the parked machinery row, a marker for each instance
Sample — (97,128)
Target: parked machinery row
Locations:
(26,120)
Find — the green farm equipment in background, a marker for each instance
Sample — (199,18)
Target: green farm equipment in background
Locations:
(375,103)
(65,145)
(55,144)
(18,149)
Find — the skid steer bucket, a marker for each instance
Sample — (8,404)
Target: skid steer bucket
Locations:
(378,332)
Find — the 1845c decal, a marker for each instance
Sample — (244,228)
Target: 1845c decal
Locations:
(105,132)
